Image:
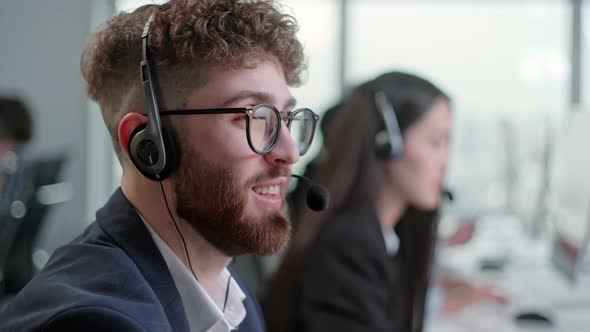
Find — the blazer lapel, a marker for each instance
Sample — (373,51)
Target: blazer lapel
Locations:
(120,220)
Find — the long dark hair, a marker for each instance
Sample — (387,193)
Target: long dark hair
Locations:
(351,171)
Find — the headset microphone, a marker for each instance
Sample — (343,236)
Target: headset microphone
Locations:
(318,197)
(446,193)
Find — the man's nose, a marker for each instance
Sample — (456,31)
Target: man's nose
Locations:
(285,151)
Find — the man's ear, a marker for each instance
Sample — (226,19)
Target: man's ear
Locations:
(127,125)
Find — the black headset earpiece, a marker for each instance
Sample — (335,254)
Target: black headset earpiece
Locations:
(144,153)
(389,142)
(151,151)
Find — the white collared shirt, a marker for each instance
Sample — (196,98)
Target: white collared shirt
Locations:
(391,240)
(202,312)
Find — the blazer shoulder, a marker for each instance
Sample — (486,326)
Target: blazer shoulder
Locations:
(91,319)
(83,279)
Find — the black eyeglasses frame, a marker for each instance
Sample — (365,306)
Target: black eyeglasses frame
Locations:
(249,112)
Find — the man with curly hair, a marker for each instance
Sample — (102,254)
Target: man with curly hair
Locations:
(195,95)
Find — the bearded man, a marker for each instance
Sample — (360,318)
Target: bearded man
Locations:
(195,95)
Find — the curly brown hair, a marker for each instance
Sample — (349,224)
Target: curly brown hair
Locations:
(185,36)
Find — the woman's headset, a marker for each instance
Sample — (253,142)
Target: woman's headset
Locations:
(389,142)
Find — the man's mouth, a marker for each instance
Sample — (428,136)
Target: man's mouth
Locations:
(268,194)
(267,190)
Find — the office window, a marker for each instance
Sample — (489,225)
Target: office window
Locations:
(319,27)
(501,62)
(585,92)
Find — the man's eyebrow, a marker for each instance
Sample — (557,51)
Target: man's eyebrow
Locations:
(260,97)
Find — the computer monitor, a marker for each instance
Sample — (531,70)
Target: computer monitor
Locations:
(568,199)
(529,140)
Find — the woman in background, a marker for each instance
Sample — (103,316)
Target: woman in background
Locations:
(364,264)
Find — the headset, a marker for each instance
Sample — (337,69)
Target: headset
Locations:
(152,148)
(389,142)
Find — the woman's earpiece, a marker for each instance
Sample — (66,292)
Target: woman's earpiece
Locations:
(389,142)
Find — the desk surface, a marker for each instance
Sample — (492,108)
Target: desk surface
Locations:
(529,281)
(484,318)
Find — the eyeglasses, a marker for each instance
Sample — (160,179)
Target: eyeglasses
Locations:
(263,125)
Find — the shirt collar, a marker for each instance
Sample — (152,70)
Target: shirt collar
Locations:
(202,312)
(391,240)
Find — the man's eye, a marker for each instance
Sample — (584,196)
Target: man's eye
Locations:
(240,120)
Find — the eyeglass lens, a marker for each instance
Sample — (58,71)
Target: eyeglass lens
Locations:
(264,123)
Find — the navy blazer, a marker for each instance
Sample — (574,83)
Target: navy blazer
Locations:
(111,278)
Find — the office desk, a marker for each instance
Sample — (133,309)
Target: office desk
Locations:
(529,280)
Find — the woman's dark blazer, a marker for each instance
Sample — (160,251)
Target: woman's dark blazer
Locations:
(350,282)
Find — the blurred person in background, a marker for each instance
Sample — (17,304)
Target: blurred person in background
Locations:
(16,124)
(365,264)
(16,129)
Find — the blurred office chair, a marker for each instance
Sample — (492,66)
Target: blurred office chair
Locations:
(25,201)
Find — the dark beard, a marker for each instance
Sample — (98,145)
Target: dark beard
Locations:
(211,200)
